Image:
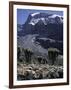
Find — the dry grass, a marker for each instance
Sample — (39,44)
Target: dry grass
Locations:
(38,71)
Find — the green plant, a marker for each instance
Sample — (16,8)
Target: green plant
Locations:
(28,53)
(18,53)
(52,54)
(39,59)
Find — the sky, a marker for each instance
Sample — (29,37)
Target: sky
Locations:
(22,14)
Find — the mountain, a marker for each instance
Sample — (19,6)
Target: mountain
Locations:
(19,27)
(51,25)
(46,19)
(48,27)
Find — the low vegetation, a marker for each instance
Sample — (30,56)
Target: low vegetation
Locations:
(31,67)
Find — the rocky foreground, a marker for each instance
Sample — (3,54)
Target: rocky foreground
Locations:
(38,71)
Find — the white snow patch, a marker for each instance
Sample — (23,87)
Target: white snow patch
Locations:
(35,14)
(34,21)
(54,15)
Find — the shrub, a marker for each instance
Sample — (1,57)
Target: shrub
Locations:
(52,54)
(28,53)
(18,53)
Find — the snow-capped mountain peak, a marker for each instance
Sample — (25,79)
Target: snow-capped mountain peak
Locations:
(54,15)
(45,18)
(33,14)
(56,18)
